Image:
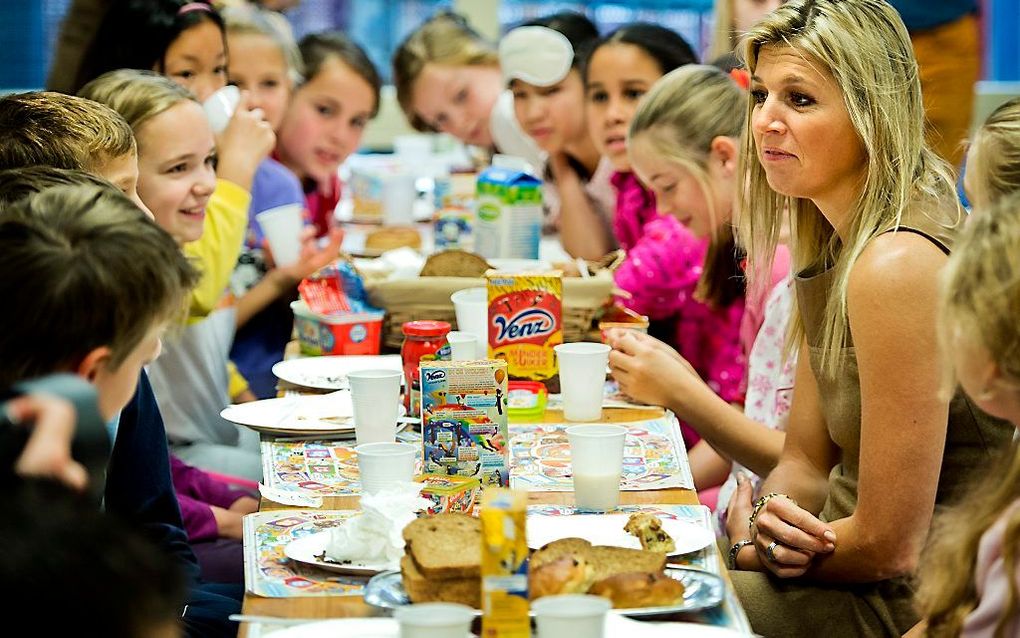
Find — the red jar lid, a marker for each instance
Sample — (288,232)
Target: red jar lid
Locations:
(426,328)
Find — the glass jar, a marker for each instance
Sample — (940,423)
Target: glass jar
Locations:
(423,340)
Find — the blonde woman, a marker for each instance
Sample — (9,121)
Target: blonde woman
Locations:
(836,133)
(968,585)
(993,159)
(448,80)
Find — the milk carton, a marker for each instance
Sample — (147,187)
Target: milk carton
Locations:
(464,420)
(508,222)
(526,322)
(454,218)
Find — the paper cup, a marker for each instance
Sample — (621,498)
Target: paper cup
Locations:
(434,620)
(596,462)
(220,107)
(463,345)
(574,615)
(398,198)
(282,228)
(472,308)
(375,395)
(381,465)
(582,379)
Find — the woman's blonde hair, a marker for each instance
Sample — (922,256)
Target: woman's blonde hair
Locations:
(677,120)
(995,164)
(137,95)
(445,39)
(981,298)
(247,19)
(866,48)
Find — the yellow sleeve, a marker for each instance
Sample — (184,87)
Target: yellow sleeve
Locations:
(236,383)
(216,252)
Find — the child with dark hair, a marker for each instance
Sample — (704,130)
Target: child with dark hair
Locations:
(104,579)
(326,119)
(541,63)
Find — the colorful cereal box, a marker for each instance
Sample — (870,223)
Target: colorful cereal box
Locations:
(464,420)
(504,572)
(526,322)
(449,493)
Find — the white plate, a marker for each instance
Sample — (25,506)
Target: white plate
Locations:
(305,549)
(330,373)
(361,627)
(607,529)
(622,627)
(298,415)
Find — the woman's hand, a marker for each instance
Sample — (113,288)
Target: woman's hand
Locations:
(737,513)
(650,371)
(788,537)
(246,141)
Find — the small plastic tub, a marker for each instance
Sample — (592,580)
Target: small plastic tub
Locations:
(358,333)
(526,399)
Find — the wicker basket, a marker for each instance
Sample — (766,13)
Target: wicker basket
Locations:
(429,298)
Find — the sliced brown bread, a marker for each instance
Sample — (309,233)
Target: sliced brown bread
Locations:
(446,546)
(466,591)
(605,561)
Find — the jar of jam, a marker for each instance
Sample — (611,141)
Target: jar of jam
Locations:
(423,341)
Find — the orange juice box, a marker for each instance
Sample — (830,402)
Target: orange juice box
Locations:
(504,570)
(464,420)
(526,322)
(449,493)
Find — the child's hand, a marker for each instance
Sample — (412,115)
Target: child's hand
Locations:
(312,257)
(228,523)
(247,140)
(651,372)
(245,505)
(47,452)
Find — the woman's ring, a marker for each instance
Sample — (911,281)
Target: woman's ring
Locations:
(770,551)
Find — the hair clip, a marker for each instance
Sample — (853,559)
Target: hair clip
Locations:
(741,77)
(194,6)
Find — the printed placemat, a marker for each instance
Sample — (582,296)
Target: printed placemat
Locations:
(654,456)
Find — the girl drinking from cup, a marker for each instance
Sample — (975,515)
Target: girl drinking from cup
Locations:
(684,142)
(835,135)
(968,575)
(541,63)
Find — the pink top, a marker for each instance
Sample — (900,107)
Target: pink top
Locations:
(992,583)
(663,265)
(196,492)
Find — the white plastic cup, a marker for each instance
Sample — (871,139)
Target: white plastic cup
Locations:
(398,198)
(574,615)
(282,228)
(434,620)
(463,345)
(596,463)
(472,308)
(381,465)
(582,379)
(375,395)
(220,106)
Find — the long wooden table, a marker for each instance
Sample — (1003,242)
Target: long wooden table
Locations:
(354,606)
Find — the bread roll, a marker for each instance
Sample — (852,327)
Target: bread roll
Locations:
(564,576)
(639,589)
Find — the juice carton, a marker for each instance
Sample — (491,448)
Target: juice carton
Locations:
(464,420)
(509,214)
(449,493)
(504,572)
(526,322)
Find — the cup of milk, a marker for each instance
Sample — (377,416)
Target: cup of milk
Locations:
(596,460)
